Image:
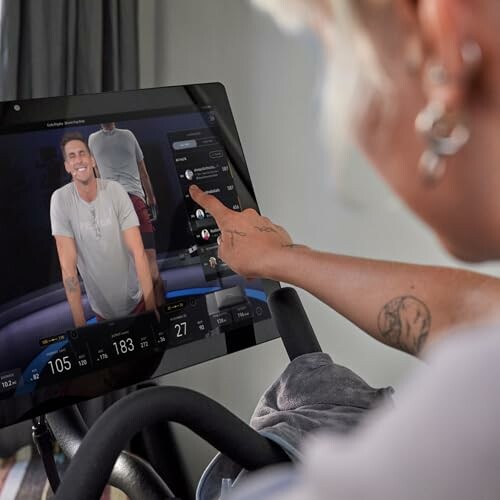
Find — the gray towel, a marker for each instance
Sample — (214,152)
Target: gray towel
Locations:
(312,393)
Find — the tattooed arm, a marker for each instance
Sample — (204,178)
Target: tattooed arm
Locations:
(66,250)
(402,305)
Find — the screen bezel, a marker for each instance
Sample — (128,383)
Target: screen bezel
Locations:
(38,114)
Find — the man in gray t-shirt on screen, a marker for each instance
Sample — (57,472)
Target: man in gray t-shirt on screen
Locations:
(119,157)
(97,234)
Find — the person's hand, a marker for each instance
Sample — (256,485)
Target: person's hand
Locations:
(153,212)
(152,207)
(151,306)
(150,197)
(249,243)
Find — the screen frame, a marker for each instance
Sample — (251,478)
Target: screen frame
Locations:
(40,114)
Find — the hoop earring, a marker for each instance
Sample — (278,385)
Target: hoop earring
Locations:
(443,138)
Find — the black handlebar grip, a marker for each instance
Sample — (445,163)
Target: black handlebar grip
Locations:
(292,323)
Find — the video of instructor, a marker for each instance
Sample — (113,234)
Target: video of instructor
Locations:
(99,228)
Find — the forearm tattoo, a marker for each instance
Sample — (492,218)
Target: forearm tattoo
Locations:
(404,322)
(72,284)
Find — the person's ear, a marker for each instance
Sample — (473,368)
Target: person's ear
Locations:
(452,62)
(452,47)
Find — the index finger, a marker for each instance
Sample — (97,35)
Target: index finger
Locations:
(208,202)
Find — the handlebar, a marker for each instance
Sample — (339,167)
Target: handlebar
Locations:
(90,468)
(131,474)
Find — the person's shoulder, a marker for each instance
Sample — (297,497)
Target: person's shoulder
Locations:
(62,199)
(63,192)
(109,184)
(112,186)
(125,132)
(94,135)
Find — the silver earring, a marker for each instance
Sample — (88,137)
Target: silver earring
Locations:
(442,138)
(471,54)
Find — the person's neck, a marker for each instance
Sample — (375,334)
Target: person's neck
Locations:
(87,190)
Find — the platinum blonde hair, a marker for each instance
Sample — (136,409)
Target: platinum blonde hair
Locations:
(352,73)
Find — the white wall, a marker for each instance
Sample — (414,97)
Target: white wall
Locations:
(273,84)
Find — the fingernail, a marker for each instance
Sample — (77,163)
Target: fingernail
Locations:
(194,188)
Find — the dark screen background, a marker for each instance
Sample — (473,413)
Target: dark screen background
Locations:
(32,168)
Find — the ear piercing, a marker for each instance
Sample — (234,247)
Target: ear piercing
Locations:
(443,133)
(471,53)
(443,139)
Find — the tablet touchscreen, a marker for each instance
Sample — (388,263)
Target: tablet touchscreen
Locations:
(94,206)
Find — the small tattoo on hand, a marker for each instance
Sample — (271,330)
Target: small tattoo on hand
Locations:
(265,229)
(233,232)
